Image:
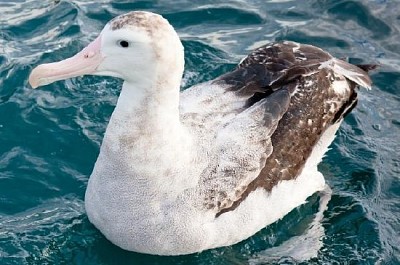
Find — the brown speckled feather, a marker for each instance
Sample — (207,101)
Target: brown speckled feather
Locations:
(314,106)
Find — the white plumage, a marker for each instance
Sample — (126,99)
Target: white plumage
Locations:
(174,169)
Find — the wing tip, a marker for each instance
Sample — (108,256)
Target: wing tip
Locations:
(355,73)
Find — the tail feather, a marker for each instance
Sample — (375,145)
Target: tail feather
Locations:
(357,74)
(367,67)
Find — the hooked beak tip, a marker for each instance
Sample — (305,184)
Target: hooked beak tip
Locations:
(34,79)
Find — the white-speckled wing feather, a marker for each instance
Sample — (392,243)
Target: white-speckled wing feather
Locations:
(209,104)
(241,149)
(352,72)
(234,151)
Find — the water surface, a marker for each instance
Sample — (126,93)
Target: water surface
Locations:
(50,138)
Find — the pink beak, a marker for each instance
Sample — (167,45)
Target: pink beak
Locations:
(83,63)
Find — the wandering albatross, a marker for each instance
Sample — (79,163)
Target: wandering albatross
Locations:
(182,172)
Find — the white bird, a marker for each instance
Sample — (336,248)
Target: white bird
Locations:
(181,172)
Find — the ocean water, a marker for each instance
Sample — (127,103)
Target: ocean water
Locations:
(50,137)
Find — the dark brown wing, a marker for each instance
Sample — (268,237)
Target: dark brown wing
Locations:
(310,75)
(271,67)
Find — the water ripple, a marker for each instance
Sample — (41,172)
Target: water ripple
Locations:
(50,137)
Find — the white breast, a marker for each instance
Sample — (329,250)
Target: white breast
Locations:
(137,217)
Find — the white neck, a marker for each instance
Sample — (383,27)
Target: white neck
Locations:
(145,143)
(137,102)
(144,114)
(152,93)
(145,130)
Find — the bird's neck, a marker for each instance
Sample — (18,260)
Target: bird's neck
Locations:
(145,142)
(146,114)
(145,125)
(157,106)
(152,98)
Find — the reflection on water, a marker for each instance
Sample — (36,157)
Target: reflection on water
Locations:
(50,138)
(302,247)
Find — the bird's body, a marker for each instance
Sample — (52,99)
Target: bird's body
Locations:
(179,173)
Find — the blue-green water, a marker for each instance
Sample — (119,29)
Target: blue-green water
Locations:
(50,138)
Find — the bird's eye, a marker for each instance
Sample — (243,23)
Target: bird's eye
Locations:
(123,43)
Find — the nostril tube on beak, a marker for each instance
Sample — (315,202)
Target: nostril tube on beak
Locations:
(91,54)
